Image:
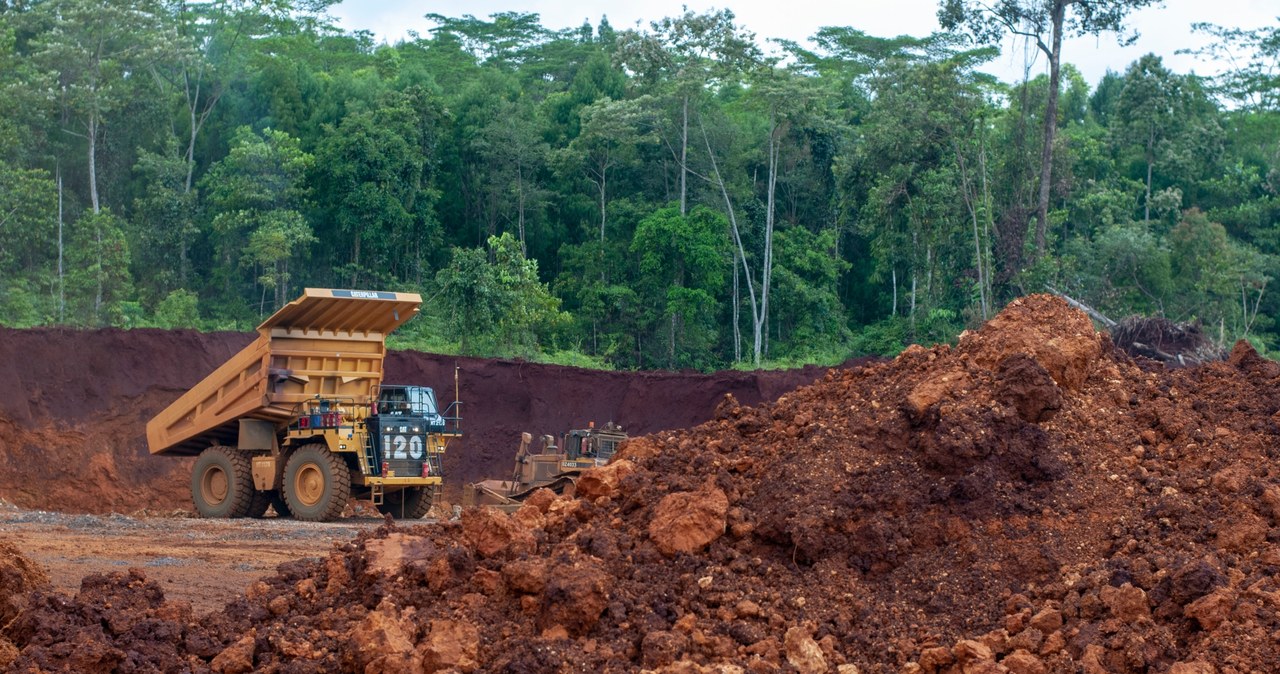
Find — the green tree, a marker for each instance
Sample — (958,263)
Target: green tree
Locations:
(1169,119)
(914,179)
(682,259)
(94,47)
(179,309)
(98,279)
(258,192)
(497,306)
(611,131)
(515,154)
(1044,23)
(810,318)
(502,42)
(369,175)
(683,56)
(28,218)
(164,217)
(1253,80)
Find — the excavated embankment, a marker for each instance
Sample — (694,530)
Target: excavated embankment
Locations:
(1027,501)
(75,405)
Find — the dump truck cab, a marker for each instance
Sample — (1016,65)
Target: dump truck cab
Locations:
(300,419)
(408,433)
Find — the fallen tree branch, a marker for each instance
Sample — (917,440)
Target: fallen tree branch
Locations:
(1093,313)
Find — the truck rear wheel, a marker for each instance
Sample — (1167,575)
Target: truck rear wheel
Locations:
(222,483)
(317,484)
(410,503)
(268,499)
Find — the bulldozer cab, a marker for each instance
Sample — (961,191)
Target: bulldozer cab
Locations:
(594,443)
(546,465)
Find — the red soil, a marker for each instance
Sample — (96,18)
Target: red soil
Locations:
(1027,501)
(76,403)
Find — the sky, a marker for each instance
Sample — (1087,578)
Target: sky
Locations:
(1163,31)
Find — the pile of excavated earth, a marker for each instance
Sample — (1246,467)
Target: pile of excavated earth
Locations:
(1030,500)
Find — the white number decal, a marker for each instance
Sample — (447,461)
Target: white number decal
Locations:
(415,447)
(401,445)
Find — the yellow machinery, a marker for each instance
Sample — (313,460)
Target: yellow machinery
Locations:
(301,420)
(548,466)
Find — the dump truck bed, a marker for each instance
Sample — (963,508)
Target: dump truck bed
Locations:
(329,343)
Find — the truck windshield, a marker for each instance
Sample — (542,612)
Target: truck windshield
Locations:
(415,401)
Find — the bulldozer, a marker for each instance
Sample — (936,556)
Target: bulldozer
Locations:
(547,465)
(301,421)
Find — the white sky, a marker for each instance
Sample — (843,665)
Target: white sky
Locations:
(1163,30)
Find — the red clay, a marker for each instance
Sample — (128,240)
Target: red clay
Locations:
(72,416)
(1030,500)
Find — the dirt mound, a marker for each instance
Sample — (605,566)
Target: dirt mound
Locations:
(1014,504)
(73,414)
(19,577)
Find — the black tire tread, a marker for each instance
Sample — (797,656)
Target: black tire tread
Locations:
(241,480)
(336,470)
(416,500)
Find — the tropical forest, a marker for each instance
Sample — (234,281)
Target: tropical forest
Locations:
(679,194)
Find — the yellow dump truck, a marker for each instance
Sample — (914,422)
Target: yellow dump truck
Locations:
(301,420)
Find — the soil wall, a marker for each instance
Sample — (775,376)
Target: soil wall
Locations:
(75,404)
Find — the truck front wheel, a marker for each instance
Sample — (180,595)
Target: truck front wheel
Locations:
(410,503)
(317,484)
(222,483)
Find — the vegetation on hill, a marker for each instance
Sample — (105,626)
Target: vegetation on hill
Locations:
(665,197)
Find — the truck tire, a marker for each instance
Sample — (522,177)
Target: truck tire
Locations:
(268,499)
(222,483)
(410,503)
(317,484)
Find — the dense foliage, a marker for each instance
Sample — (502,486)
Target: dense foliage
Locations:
(663,197)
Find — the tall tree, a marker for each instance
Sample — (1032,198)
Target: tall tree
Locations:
(611,130)
(258,192)
(1150,105)
(1253,80)
(369,175)
(515,154)
(685,55)
(682,258)
(1170,118)
(94,47)
(502,42)
(1044,23)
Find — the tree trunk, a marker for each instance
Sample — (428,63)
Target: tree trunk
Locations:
(894,311)
(737,311)
(62,282)
(192,102)
(93,162)
(524,249)
(766,273)
(1050,126)
(913,304)
(97,298)
(671,344)
(1151,160)
(684,153)
(602,205)
(741,253)
(355,259)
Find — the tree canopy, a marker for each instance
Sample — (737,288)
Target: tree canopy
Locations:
(681,194)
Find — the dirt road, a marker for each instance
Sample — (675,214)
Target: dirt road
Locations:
(205,562)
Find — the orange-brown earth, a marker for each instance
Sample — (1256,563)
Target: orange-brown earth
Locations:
(75,404)
(1030,500)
